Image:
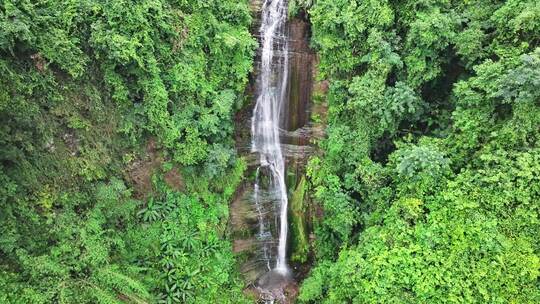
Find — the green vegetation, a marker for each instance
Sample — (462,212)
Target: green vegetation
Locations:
(429,178)
(299,243)
(116,151)
(117,162)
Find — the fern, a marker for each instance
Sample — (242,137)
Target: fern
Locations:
(113,279)
(103,296)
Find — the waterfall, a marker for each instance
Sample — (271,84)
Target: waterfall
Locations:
(265,125)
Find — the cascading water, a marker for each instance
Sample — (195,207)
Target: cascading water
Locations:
(265,126)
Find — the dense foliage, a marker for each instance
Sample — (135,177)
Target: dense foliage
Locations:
(429,180)
(116,158)
(117,166)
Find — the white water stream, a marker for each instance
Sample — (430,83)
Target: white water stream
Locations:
(265,125)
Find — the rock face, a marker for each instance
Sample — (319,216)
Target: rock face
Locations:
(295,135)
(300,76)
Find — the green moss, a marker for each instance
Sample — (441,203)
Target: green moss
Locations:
(300,244)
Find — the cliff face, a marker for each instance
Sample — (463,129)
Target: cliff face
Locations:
(300,76)
(296,135)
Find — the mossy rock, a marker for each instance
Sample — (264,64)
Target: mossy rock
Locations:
(299,235)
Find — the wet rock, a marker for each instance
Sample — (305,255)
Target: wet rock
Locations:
(272,286)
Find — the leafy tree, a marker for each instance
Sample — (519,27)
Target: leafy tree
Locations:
(432,139)
(95,97)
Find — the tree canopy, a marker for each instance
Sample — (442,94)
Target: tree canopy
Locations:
(116,152)
(428,178)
